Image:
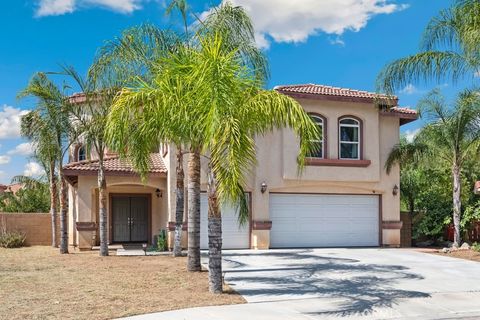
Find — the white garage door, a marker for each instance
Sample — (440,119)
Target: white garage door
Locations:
(233,236)
(314,220)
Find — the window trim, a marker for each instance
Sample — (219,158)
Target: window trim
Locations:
(360,136)
(77,155)
(324,135)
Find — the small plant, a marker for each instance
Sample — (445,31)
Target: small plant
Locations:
(10,239)
(475,246)
(162,240)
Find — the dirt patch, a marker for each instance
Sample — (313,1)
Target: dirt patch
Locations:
(461,254)
(39,283)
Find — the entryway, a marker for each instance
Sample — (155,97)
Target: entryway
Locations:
(130,218)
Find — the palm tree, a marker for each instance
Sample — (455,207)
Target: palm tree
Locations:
(89,118)
(452,135)
(225,106)
(34,128)
(142,47)
(449,50)
(51,115)
(134,55)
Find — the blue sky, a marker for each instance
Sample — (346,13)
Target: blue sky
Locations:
(334,42)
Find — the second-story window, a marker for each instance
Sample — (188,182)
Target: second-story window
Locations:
(349,138)
(81,153)
(319,143)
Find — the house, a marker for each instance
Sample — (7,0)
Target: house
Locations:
(343,198)
(13,188)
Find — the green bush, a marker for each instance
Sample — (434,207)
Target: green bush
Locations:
(162,240)
(475,246)
(12,239)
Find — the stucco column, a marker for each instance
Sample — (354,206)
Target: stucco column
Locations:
(260,219)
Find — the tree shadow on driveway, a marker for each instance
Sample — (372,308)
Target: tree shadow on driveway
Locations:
(357,288)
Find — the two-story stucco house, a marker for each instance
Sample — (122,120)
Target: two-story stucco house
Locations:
(343,198)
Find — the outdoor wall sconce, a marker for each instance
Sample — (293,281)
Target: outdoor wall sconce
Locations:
(158,192)
(395,190)
(263,187)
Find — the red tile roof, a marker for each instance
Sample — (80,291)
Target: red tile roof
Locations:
(114,165)
(328,91)
(77,98)
(316,91)
(403,110)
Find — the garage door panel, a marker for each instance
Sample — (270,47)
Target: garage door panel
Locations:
(315,220)
(234,236)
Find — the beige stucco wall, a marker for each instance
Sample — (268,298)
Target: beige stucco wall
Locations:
(277,153)
(85,205)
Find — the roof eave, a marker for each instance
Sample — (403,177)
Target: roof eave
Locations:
(72,174)
(316,96)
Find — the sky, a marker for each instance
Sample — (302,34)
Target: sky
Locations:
(341,43)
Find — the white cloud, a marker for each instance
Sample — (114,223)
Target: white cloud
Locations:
(410,89)
(477,74)
(23,149)
(10,122)
(411,134)
(54,7)
(295,21)
(33,169)
(4,159)
(338,41)
(59,7)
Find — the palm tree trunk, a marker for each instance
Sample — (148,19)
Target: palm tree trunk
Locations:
(102,208)
(63,211)
(456,204)
(180,196)
(193,263)
(215,281)
(53,203)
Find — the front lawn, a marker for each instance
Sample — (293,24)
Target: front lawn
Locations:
(39,283)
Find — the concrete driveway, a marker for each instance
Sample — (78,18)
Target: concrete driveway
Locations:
(347,283)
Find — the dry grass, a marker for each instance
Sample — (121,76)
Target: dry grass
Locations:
(462,254)
(39,283)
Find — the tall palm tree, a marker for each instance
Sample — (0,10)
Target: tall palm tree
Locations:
(135,54)
(226,107)
(35,128)
(52,117)
(90,118)
(452,135)
(136,48)
(449,50)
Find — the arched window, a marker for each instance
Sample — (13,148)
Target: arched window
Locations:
(81,153)
(319,143)
(349,138)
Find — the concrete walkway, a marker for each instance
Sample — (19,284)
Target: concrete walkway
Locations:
(347,283)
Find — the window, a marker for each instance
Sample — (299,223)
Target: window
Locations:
(319,143)
(349,138)
(81,153)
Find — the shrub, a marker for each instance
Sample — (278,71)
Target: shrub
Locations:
(475,246)
(162,240)
(12,239)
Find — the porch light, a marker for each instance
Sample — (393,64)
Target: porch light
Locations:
(395,190)
(263,187)
(158,192)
